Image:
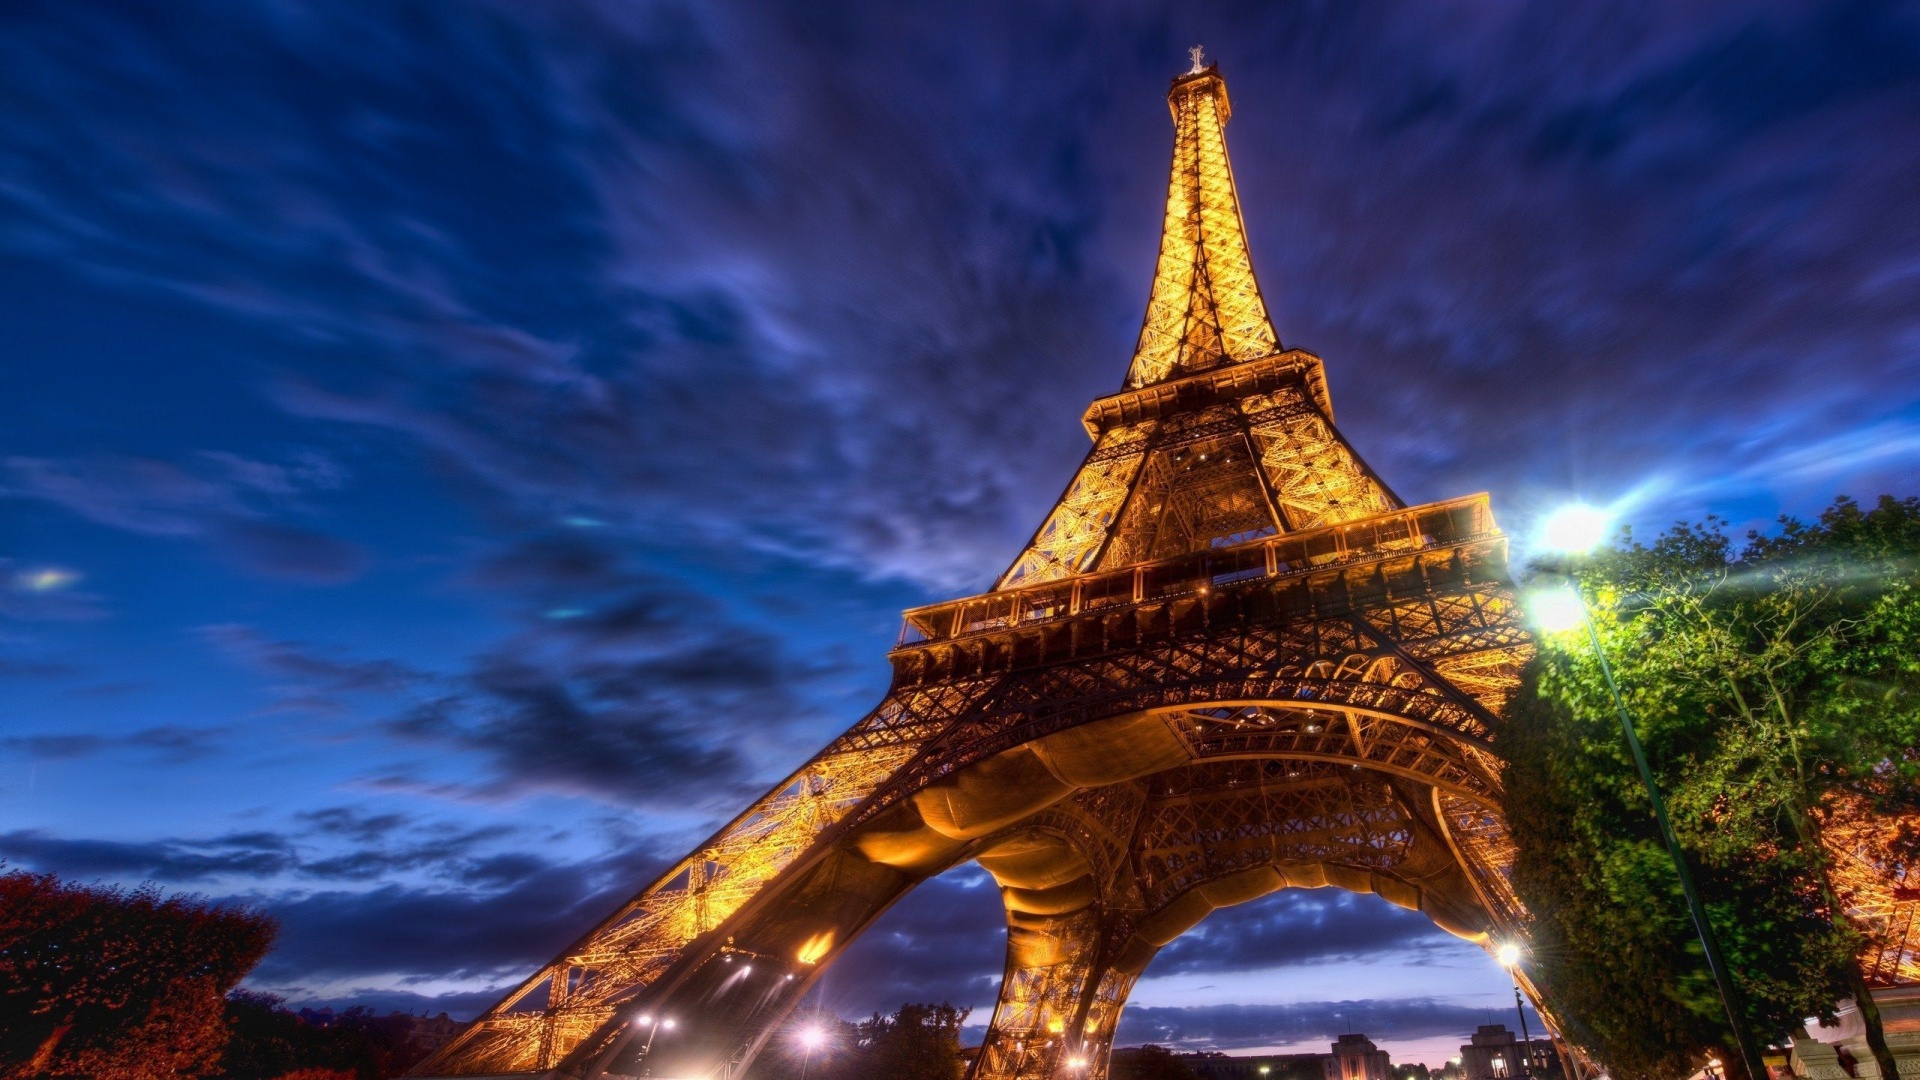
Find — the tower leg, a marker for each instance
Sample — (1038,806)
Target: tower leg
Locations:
(1037,1030)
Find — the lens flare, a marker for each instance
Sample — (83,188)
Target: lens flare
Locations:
(1509,954)
(1575,529)
(1555,610)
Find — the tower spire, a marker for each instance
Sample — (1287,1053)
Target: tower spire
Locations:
(1205,309)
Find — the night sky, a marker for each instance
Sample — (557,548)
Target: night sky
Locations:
(453,455)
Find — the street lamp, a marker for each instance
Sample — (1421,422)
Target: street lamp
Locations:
(654,1026)
(812,1038)
(1509,954)
(1574,531)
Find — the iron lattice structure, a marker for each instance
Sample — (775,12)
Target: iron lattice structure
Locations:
(1230,661)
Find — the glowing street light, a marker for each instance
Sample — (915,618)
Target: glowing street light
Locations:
(812,1037)
(653,1024)
(1556,610)
(1076,1063)
(1509,954)
(1575,530)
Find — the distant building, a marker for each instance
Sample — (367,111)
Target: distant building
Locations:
(1497,1054)
(1354,1057)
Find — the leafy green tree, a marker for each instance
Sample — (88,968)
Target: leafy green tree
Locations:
(115,985)
(1777,689)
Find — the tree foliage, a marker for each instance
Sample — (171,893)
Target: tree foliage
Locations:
(269,1042)
(917,1042)
(115,985)
(1774,687)
(1149,1062)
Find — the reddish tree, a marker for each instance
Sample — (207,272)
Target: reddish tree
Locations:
(116,985)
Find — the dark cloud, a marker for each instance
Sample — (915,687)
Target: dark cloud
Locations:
(308,667)
(170,744)
(945,941)
(459,932)
(1229,1027)
(247,855)
(291,554)
(1296,926)
(620,732)
(624,685)
(354,824)
(55,747)
(224,497)
(460,1005)
(494,917)
(337,844)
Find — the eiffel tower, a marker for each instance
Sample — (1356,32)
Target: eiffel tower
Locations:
(1230,661)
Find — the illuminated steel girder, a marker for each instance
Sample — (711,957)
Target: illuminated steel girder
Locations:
(1230,661)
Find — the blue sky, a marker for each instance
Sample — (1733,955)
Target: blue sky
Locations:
(454,454)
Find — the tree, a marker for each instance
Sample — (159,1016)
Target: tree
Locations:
(1149,1062)
(918,1042)
(116,985)
(269,1042)
(1777,690)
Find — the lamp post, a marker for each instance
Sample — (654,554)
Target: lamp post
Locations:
(654,1025)
(1509,955)
(1574,531)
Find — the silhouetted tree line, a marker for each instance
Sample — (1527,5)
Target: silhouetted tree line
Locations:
(1149,1062)
(269,1042)
(917,1042)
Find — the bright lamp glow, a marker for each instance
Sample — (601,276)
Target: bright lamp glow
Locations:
(1509,954)
(1575,529)
(644,1018)
(1555,610)
(1076,1063)
(812,1038)
(668,1024)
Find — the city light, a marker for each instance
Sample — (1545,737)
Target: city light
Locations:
(668,1024)
(643,1018)
(1575,529)
(1076,1063)
(1555,610)
(1509,954)
(812,1038)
